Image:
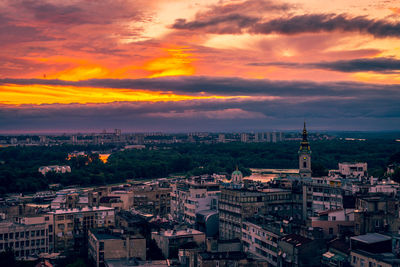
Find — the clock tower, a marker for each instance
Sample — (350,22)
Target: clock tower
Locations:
(305,155)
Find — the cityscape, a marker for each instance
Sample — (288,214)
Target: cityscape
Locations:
(199,133)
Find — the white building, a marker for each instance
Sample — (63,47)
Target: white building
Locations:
(350,170)
(54,168)
(193,195)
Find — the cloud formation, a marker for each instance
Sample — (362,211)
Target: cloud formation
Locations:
(268,105)
(353,65)
(307,23)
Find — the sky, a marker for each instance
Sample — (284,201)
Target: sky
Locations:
(209,65)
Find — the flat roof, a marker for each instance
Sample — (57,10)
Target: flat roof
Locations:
(85,209)
(171,233)
(371,238)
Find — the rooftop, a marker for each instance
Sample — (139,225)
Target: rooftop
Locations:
(295,239)
(173,233)
(371,238)
(85,209)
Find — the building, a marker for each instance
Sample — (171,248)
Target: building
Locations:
(320,197)
(71,225)
(372,249)
(28,237)
(108,245)
(192,195)
(153,198)
(226,259)
(376,213)
(355,170)
(260,238)
(297,251)
(171,240)
(284,203)
(331,221)
(305,155)
(234,206)
(244,137)
(54,168)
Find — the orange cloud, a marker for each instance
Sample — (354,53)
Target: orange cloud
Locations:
(177,62)
(13,94)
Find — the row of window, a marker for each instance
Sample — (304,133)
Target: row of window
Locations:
(22,244)
(27,234)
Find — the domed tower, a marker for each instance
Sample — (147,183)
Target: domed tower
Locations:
(305,155)
(237,176)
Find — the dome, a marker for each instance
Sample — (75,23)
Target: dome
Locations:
(237,176)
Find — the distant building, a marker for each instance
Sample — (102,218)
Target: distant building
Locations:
(356,170)
(221,138)
(244,137)
(54,168)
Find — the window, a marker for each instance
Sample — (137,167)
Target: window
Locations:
(330,230)
(333,218)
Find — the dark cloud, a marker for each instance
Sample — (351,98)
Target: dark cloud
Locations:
(233,23)
(270,104)
(309,23)
(328,23)
(354,65)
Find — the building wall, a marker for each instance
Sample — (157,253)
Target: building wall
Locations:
(360,260)
(27,239)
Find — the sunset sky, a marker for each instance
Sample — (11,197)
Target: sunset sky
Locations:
(181,65)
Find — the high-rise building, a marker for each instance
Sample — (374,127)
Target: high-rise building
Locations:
(244,137)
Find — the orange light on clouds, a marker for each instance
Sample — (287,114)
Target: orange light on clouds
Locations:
(177,62)
(12,94)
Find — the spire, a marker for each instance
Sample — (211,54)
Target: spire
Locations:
(305,145)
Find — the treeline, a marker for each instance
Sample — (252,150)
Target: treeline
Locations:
(19,165)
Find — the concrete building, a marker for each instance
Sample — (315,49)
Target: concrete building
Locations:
(28,237)
(299,251)
(192,195)
(71,225)
(153,198)
(376,213)
(171,240)
(332,220)
(284,203)
(372,250)
(261,239)
(108,245)
(234,206)
(355,170)
(320,197)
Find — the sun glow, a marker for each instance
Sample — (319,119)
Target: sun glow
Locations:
(177,62)
(12,94)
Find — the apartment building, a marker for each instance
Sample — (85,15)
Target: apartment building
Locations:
(234,206)
(105,245)
(71,225)
(28,237)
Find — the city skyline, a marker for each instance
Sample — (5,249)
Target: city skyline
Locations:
(183,66)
